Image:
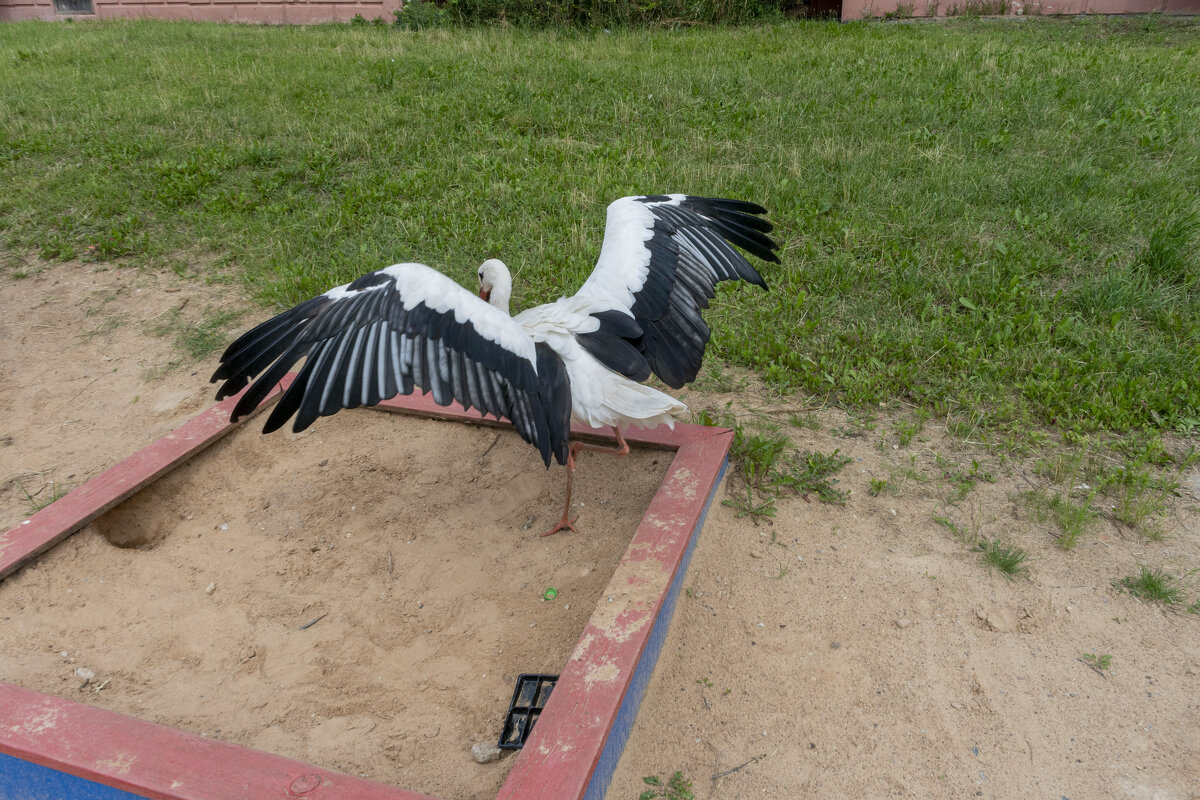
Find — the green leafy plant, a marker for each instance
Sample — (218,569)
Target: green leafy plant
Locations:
(1171,252)
(417,15)
(1099,661)
(675,788)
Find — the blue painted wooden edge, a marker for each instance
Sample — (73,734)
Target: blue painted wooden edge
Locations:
(24,780)
(622,726)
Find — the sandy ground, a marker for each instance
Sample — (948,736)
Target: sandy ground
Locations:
(412,544)
(857,651)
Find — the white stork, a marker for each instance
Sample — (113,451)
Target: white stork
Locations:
(580,357)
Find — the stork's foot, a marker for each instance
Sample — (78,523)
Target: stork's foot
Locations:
(564,524)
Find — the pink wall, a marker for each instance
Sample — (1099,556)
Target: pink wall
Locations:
(285,11)
(860,9)
(306,11)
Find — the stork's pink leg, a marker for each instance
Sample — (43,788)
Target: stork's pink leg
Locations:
(566,523)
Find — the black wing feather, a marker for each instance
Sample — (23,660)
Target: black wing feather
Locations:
(691,248)
(367,343)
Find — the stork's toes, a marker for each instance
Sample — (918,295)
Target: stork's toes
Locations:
(563,525)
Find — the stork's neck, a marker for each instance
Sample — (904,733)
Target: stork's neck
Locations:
(501,291)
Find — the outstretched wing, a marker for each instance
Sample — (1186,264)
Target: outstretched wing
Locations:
(391,331)
(661,260)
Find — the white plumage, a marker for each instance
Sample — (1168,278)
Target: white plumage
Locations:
(581,357)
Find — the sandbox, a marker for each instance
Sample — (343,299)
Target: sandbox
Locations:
(360,597)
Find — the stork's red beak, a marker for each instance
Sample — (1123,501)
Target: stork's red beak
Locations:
(485,294)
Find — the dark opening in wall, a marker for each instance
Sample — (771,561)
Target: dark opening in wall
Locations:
(73,7)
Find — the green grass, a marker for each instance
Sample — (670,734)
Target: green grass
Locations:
(964,533)
(1072,518)
(765,467)
(1154,585)
(1008,560)
(49,492)
(1134,476)
(960,479)
(199,340)
(894,483)
(1003,251)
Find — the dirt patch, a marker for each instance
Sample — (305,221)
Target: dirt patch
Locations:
(90,372)
(411,546)
(866,650)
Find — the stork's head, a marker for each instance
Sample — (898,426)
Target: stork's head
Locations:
(495,283)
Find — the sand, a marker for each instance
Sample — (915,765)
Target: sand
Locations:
(852,652)
(409,548)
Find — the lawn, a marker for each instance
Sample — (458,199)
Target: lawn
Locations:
(995,221)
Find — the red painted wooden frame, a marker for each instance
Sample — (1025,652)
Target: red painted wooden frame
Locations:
(557,761)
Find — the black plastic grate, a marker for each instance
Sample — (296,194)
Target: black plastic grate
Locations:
(529,698)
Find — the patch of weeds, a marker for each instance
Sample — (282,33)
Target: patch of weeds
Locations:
(1137,507)
(1194,608)
(676,788)
(978,8)
(894,483)
(903,11)
(1170,254)
(1130,472)
(807,420)
(197,340)
(965,535)
(1072,518)
(122,237)
(58,247)
(812,472)
(764,469)
(1097,660)
(756,507)
(42,498)
(715,378)
(1006,559)
(906,429)
(1154,585)
(863,421)
(961,481)
(418,15)
(1140,496)
(960,429)
(180,181)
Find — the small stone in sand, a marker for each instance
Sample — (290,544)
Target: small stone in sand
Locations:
(902,623)
(485,752)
